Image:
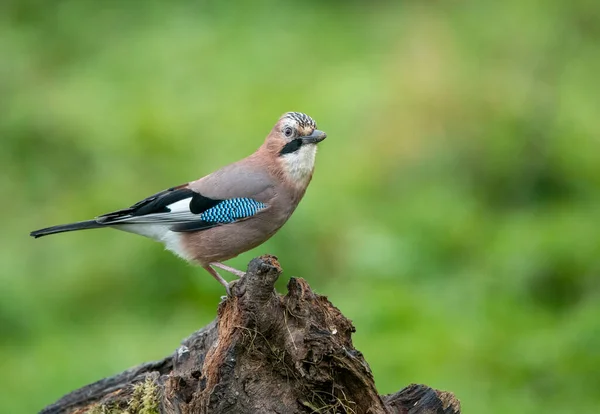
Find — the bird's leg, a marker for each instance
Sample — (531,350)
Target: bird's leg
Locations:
(217,276)
(229,269)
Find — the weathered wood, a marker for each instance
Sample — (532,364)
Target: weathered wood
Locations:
(264,353)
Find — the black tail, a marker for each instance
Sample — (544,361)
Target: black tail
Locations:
(81,225)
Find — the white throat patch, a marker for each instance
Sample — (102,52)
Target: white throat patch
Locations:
(299,165)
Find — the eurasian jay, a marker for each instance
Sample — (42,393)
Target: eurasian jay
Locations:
(230,211)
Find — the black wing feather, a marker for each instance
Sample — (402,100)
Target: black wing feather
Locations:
(200,204)
(159,202)
(194,226)
(155,207)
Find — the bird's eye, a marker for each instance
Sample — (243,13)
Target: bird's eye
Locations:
(288,131)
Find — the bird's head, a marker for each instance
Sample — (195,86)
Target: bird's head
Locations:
(294,139)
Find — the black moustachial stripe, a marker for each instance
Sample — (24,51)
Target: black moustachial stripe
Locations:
(292,146)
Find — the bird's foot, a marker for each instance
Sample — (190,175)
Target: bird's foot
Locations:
(229,269)
(219,279)
(217,276)
(228,288)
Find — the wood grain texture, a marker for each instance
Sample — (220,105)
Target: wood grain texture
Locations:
(264,353)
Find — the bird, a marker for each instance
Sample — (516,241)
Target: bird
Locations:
(230,211)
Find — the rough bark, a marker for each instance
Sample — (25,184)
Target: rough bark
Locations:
(264,353)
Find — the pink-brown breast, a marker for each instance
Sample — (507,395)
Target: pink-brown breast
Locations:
(229,240)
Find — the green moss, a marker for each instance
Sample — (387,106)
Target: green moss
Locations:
(104,409)
(145,398)
(143,401)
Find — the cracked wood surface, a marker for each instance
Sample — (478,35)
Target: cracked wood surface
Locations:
(264,353)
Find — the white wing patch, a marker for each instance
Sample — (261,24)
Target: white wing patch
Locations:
(180,206)
(180,213)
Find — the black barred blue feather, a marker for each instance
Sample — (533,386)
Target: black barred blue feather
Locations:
(225,212)
(232,210)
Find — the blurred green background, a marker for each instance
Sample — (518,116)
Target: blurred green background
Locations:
(453,215)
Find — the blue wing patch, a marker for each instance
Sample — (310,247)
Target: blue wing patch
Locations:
(232,210)
(226,211)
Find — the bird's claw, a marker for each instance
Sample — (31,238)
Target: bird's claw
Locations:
(228,290)
(230,286)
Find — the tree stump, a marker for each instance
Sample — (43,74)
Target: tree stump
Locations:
(264,353)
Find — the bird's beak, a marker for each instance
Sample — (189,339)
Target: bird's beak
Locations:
(316,136)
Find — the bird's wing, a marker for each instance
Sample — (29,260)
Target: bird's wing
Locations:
(244,178)
(224,197)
